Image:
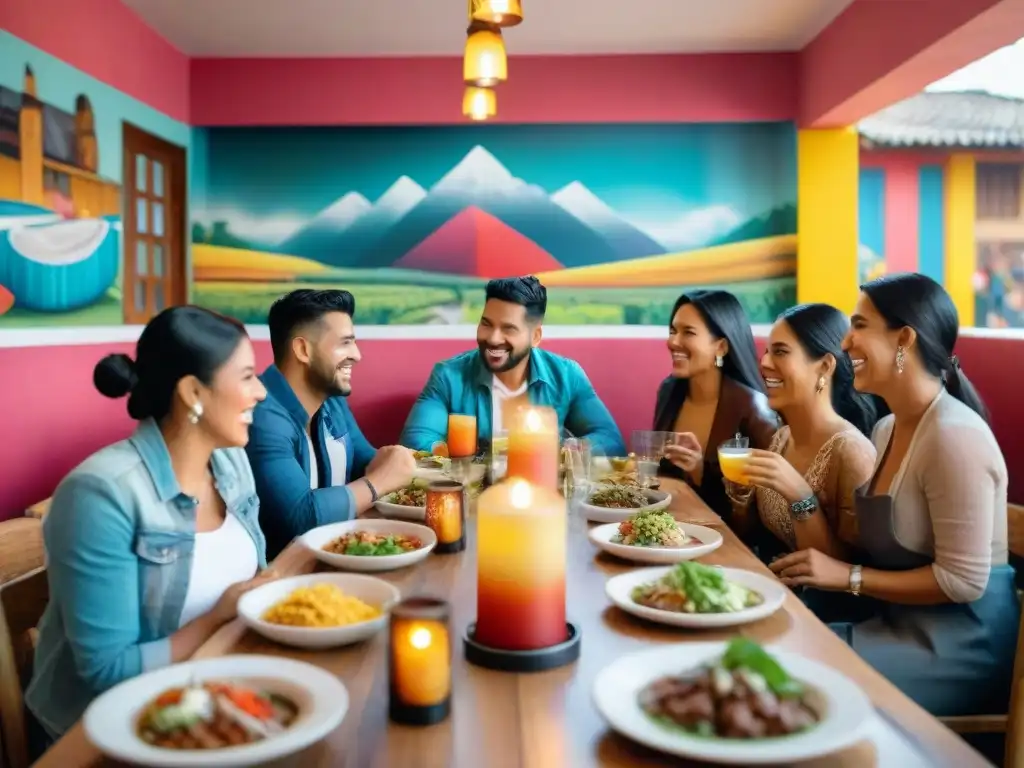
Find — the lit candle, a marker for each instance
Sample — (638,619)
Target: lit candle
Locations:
(461,435)
(446,515)
(420,679)
(521,543)
(533,452)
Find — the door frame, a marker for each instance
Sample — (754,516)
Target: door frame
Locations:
(173,156)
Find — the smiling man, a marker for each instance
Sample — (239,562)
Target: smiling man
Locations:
(508,368)
(311,462)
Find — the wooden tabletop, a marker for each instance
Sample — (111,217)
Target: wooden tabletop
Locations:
(547,720)
(39,509)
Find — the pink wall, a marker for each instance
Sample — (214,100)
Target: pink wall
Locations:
(902,203)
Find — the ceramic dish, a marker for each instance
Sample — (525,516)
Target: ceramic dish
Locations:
(316,539)
(703,542)
(657,499)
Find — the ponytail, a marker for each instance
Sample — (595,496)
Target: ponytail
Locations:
(960,387)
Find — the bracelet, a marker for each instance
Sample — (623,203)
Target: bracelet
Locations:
(373,491)
(856,579)
(803,509)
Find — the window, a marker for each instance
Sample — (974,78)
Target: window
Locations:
(10,106)
(58,135)
(999,190)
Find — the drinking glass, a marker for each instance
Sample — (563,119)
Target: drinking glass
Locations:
(732,459)
(578,458)
(461,436)
(649,449)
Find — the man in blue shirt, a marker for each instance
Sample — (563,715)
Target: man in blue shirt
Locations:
(509,369)
(312,464)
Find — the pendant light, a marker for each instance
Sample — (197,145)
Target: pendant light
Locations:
(484,63)
(501,13)
(479,103)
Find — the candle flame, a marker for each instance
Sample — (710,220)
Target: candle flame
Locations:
(521,494)
(420,638)
(533,421)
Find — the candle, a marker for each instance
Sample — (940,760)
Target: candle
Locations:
(420,679)
(461,436)
(533,452)
(521,543)
(446,515)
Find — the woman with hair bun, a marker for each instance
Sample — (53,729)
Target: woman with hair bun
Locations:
(151,540)
(931,519)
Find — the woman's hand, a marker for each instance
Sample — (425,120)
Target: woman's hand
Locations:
(811,568)
(227,607)
(770,470)
(685,452)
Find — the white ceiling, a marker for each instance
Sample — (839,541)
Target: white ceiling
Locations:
(280,28)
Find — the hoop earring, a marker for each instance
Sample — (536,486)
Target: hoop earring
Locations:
(195,413)
(820,386)
(901,359)
(719,361)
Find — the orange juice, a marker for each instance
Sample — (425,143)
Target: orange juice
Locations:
(461,435)
(732,462)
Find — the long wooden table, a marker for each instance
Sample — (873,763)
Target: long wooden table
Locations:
(548,720)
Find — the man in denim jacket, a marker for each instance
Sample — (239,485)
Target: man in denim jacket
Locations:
(507,369)
(312,464)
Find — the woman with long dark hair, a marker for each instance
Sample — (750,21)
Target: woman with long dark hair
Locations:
(151,540)
(713,393)
(932,518)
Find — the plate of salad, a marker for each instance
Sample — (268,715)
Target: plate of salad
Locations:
(735,703)
(692,594)
(654,536)
(370,546)
(615,503)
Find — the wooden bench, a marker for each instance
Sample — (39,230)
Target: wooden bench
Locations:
(38,510)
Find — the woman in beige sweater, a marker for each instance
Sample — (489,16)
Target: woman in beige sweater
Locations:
(932,519)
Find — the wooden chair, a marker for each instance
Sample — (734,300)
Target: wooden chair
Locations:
(22,602)
(21,547)
(1011,724)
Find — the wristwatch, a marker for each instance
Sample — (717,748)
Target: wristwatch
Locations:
(855,579)
(803,509)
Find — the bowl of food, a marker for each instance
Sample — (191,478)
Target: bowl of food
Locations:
(409,503)
(735,703)
(615,503)
(691,594)
(230,710)
(319,610)
(370,545)
(654,536)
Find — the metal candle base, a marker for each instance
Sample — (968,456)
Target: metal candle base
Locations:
(450,548)
(408,714)
(537,660)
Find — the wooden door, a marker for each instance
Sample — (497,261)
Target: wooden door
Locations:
(153,225)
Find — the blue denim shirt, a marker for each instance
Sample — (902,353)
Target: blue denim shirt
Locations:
(279,453)
(119,538)
(462,384)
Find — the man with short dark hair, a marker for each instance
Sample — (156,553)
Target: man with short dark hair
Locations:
(509,369)
(311,462)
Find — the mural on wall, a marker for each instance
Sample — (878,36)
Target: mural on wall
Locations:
(59,218)
(616,220)
(871,224)
(999,234)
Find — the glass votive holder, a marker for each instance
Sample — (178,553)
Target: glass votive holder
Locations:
(446,515)
(420,664)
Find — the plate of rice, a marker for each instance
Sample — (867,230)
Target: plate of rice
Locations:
(319,610)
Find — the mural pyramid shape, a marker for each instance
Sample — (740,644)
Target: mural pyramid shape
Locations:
(475,243)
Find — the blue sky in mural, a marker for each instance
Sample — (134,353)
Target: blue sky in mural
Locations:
(268,182)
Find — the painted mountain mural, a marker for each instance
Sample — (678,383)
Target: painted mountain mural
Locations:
(616,220)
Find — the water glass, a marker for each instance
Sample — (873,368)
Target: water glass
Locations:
(649,449)
(578,458)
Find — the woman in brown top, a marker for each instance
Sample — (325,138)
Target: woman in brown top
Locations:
(714,392)
(802,487)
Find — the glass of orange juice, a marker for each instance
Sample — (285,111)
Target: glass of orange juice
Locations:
(461,436)
(732,458)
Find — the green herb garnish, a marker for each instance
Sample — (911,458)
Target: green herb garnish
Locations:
(743,653)
(386,546)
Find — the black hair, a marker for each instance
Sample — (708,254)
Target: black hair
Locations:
(178,342)
(301,308)
(912,300)
(820,330)
(528,292)
(724,316)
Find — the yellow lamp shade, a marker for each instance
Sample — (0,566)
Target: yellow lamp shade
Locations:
(479,103)
(501,13)
(484,63)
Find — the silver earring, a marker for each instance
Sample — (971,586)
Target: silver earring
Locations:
(820,387)
(901,359)
(195,413)
(718,361)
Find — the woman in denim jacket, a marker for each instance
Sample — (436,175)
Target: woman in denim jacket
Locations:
(151,540)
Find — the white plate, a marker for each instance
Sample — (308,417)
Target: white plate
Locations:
(709,539)
(109,721)
(400,511)
(847,710)
(316,539)
(620,588)
(658,499)
(252,605)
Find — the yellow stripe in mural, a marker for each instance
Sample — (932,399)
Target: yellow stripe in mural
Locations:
(961,254)
(827,176)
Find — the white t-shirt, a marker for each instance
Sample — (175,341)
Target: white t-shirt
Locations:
(337,455)
(499,394)
(220,558)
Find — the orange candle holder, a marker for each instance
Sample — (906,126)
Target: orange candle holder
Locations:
(521,552)
(533,446)
(446,515)
(420,663)
(461,436)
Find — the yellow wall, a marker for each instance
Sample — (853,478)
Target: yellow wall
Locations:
(827,237)
(10,178)
(961,248)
